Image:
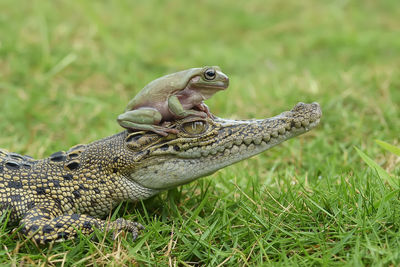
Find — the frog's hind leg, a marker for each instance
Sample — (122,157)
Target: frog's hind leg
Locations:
(146,119)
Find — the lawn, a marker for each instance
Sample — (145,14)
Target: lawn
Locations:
(68,68)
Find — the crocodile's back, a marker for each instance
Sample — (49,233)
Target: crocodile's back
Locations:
(65,178)
(24,182)
(86,179)
(14,183)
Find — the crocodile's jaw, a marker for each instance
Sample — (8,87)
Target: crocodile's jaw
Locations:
(182,160)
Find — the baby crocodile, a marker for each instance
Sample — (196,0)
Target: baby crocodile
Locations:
(55,197)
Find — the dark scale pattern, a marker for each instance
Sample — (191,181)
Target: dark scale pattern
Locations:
(53,197)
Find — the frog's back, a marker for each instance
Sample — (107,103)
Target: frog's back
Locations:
(160,89)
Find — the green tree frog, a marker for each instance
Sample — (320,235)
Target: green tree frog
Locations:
(173,96)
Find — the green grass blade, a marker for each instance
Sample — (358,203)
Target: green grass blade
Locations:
(388,147)
(381,172)
(385,199)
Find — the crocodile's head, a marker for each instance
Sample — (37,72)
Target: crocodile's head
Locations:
(204,146)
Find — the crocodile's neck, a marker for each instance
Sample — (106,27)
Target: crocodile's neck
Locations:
(150,163)
(109,162)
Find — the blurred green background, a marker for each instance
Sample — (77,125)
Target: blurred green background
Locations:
(77,63)
(68,68)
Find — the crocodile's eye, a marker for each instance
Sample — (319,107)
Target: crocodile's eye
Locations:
(194,127)
(209,74)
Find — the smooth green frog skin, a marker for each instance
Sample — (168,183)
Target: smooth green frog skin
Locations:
(174,96)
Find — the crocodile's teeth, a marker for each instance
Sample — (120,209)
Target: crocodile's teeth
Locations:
(235,149)
(229,144)
(305,123)
(263,143)
(247,140)
(238,142)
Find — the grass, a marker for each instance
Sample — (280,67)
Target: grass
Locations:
(68,68)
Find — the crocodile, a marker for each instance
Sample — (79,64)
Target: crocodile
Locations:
(73,191)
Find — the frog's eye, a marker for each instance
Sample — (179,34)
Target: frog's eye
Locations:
(194,127)
(209,74)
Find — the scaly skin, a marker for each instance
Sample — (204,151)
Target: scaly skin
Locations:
(52,198)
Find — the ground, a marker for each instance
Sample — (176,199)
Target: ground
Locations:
(68,68)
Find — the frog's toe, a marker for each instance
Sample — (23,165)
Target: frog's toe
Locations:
(173,131)
(204,115)
(164,131)
(201,114)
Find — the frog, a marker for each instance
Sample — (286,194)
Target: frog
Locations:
(173,96)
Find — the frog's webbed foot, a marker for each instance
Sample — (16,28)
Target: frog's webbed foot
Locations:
(121,224)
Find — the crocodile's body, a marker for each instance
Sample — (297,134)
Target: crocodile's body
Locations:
(53,197)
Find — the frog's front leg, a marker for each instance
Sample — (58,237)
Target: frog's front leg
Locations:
(177,109)
(45,223)
(144,119)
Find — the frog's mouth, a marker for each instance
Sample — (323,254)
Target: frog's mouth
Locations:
(206,87)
